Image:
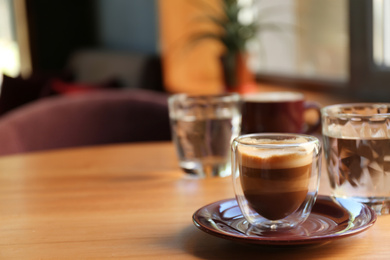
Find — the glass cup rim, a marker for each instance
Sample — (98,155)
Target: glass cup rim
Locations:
(224,97)
(309,140)
(261,97)
(332,110)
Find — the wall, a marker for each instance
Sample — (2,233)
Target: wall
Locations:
(128,25)
(58,28)
(189,68)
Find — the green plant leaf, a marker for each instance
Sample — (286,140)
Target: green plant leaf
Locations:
(233,34)
(221,22)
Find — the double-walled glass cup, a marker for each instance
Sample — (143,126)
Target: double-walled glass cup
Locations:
(276,178)
(357,152)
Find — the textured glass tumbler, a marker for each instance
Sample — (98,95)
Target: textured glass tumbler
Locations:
(276,178)
(357,151)
(203,128)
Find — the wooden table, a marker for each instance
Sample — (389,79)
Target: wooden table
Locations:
(131,202)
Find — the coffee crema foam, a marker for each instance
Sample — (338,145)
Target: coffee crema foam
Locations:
(263,158)
(273,97)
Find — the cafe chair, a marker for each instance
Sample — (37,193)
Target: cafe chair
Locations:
(102,117)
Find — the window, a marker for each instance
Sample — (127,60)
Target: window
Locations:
(381,32)
(369,47)
(9,53)
(307,39)
(343,45)
(15,56)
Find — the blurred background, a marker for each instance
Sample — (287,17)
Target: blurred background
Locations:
(340,46)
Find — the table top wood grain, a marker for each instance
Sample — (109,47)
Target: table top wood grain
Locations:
(132,201)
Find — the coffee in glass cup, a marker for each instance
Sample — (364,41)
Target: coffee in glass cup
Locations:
(276,178)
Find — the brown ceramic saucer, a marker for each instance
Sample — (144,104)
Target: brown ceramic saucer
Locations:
(331,218)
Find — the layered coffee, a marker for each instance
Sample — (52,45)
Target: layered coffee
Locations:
(275,181)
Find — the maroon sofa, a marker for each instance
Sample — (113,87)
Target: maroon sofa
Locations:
(98,116)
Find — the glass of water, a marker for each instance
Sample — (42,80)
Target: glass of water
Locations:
(203,128)
(357,150)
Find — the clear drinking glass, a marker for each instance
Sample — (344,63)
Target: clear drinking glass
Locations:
(357,151)
(203,128)
(276,178)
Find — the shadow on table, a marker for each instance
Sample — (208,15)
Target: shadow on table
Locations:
(195,242)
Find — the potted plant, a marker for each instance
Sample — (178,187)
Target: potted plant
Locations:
(234,34)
